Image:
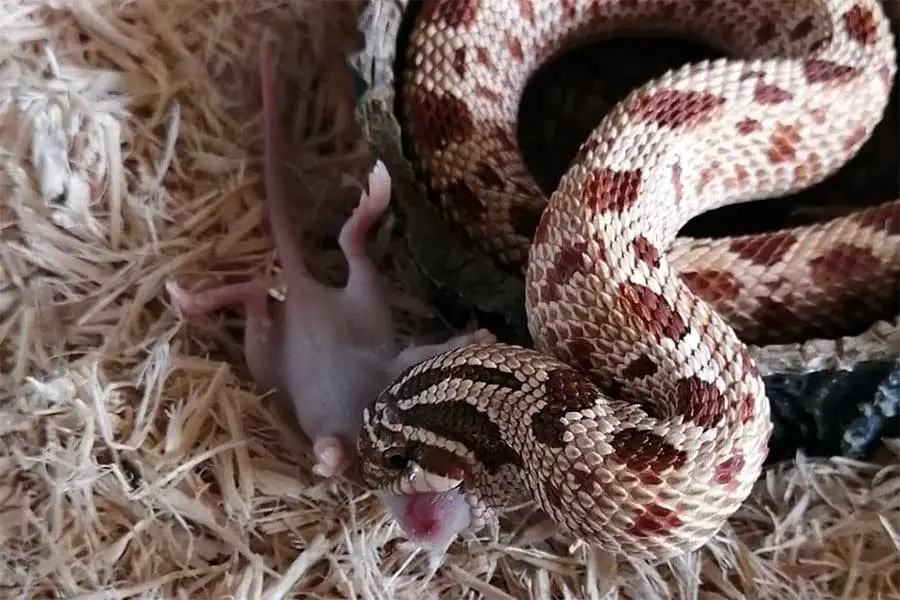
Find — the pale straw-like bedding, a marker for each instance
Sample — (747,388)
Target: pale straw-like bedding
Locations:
(137,463)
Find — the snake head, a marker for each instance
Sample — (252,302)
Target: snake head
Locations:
(424,487)
(394,463)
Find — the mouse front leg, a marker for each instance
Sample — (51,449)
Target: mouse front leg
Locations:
(261,339)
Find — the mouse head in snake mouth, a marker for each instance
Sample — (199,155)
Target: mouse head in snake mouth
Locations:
(410,444)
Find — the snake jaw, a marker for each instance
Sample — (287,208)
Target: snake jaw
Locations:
(420,481)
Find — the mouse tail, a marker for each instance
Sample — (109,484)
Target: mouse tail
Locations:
(286,242)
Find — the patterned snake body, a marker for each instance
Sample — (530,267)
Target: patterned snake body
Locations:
(639,422)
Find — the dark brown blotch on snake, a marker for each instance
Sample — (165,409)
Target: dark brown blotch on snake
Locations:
(566,390)
(463,423)
(418,383)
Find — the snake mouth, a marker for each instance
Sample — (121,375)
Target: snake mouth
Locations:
(420,481)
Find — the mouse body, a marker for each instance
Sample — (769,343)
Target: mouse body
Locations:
(329,351)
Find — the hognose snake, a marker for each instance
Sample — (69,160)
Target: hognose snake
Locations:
(639,421)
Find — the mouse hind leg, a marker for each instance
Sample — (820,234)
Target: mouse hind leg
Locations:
(261,339)
(364,294)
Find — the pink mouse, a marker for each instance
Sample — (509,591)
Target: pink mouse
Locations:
(330,351)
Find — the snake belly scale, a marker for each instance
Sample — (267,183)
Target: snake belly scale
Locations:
(638,422)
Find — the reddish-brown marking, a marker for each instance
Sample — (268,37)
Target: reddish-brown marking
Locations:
(764,249)
(568,9)
(654,520)
(645,251)
(747,409)
(587,147)
(483,56)
(676,108)
(597,13)
(784,142)
(808,170)
(488,94)
(701,6)
(767,93)
(569,261)
(526,9)
(841,259)
(747,126)
(727,470)
(706,175)
(820,71)
(649,478)
(645,309)
(882,218)
(542,231)
(741,176)
(699,401)
(515,48)
(566,263)
(802,29)
(641,367)
(459,61)
(454,13)
(859,22)
(641,450)
(766,32)
(773,314)
(712,285)
(438,120)
(608,190)
(856,138)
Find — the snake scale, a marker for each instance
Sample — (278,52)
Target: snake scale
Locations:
(638,422)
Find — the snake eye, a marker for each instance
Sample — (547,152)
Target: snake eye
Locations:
(395,459)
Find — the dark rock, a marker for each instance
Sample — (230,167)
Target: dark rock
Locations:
(829,413)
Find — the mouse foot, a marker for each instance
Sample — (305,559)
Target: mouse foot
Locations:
(331,459)
(252,295)
(184,300)
(371,206)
